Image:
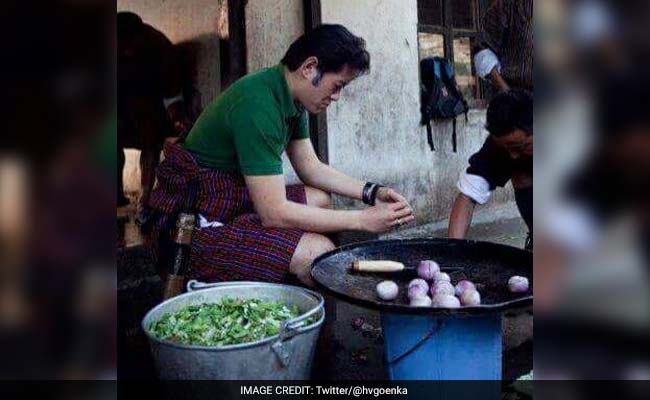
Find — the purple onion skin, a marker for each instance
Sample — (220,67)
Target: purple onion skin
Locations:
(462,286)
(417,291)
(420,302)
(441,276)
(427,269)
(445,301)
(419,282)
(518,284)
(387,290)
(470,297)
(442,287)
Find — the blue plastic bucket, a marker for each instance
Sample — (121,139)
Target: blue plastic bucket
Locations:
(442,348)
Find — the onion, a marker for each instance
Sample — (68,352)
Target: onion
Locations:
(417,291)
(387,290)
(427,268)
(445,301)
(441,276)
(462,286)
(423,301)
(518,284)
(470,297)
(419,282)
(442,287)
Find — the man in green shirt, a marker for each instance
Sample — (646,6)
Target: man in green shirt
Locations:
(264,229)
(248,127)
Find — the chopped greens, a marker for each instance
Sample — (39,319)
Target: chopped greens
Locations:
(231,321)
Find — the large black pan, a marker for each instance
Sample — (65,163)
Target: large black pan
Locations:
(488,265)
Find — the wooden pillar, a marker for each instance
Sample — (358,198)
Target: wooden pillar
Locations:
(317,123)
(235,50)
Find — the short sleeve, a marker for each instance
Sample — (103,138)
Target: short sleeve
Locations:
(492,163)
(258,138)
(475,187)
(302,128)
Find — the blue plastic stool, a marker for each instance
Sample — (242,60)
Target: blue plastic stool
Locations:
(442,348)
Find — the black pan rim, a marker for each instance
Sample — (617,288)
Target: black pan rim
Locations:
(388,307)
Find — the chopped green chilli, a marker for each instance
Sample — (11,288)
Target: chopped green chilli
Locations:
(231,321)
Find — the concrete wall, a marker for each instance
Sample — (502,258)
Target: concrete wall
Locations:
(373,130)
(271,26)
(191,24)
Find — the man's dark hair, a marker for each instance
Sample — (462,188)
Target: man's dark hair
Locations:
(333,45)
(509,111)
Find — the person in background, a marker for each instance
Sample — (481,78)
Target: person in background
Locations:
(150,103)
(506,155)
(504,55)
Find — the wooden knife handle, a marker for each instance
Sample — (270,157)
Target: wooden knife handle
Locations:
(377,266)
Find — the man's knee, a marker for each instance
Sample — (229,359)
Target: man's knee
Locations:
(319,244)
(324,245)
(311,245)
(318,198)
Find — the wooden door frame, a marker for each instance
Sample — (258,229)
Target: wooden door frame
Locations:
(233,51)
(317,123)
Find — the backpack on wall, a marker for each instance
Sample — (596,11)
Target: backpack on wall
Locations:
(441,98)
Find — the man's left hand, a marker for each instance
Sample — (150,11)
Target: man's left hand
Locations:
(388,195)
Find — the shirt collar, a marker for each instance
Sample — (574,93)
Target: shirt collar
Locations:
(290,108)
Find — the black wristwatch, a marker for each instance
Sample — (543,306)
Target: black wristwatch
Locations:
(369,193)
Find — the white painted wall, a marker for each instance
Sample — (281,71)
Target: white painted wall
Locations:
(271,26)
(373,131)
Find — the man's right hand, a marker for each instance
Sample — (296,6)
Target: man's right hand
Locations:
(386,216)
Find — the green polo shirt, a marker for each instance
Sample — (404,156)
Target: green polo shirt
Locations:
(247,128)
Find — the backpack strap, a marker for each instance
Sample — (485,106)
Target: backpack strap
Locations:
(447,73)
(436,68)
(449,77)
(430,136)
(453,135)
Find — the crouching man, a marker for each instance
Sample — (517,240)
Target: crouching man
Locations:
(506,155)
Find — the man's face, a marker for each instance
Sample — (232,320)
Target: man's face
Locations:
(518,144)
(321,91)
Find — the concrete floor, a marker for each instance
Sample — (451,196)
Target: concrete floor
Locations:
(344,352)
